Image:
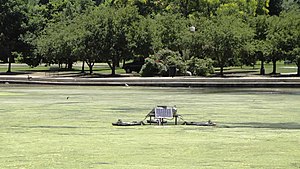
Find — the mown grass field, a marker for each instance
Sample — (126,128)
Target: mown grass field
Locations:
(103,68)
(70,127)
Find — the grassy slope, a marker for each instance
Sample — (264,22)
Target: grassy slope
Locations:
(41,128)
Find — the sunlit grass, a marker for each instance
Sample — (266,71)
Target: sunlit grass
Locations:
(103,68)
(70,127)
(255,70)
(77,67)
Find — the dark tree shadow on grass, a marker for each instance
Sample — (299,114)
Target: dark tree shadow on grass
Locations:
(103,75)
(284,75)
(15,73)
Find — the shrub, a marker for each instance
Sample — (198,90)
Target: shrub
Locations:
(176,61)
(153,68)
(200,67)
(171,59)
(164,53)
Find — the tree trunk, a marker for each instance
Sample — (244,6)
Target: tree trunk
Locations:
(222,63)
(70,65)
(274,66)
(82,68)
(9,64)
(113,68)
(91,65)
(298,70)
(124,61)
(262,68)
(222,70)
(91,69)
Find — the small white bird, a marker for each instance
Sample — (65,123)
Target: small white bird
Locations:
(126,85)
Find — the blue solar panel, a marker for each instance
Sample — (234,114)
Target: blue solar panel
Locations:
(163,112)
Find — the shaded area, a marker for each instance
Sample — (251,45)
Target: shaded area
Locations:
(235,91)
(14,73)
(104,75)
(285,75)
(263,125)
(101,163)
(49,127)
(129,110)
(235,73)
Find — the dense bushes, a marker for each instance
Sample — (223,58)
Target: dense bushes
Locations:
(162,61)
(171,59)
(153,68)
(200,67)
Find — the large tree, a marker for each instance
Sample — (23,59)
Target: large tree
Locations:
(276,40)
(56,36)
(12,19)
(117,45)
(171,27)
(144,37)
(225,37)
(291,43)
(258,46)
(107,35)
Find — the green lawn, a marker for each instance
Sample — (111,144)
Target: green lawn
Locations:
(41,128)
(103,68)
(281,68)
(98,68)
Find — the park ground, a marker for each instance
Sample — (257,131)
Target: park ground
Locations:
(102,70)
(43,126)
(70,127)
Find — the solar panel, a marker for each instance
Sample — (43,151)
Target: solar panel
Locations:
(163,112)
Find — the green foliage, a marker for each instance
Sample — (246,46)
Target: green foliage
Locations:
(262,7)
(93,36)
(226,35)
(177,62)
(170,30)
(280,34)
(12,21)
(163,54)
(143,37)
(171,59)
(56,44)
(290,36)
(56,31)
(200,67)
(153,68)
(53,33)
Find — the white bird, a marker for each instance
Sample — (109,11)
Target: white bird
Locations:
(126,85)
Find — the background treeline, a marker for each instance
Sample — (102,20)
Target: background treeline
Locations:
(192,35)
